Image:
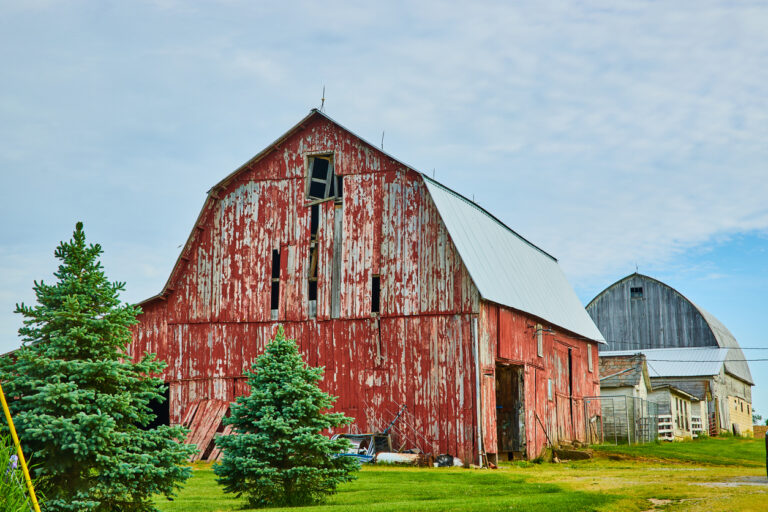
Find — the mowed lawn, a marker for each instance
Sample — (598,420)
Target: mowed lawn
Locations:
(721,451)
(712,474)
(380,488)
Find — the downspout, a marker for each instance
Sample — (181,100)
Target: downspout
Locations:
(476,352)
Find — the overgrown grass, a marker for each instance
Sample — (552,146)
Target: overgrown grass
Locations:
(382,489)
(720,451)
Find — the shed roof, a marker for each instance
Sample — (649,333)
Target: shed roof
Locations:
(507,268)
(623,371)
(676,391)
(679,362)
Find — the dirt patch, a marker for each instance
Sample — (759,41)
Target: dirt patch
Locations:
(657,503)
(759,481)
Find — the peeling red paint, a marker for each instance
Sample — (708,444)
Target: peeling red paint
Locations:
(214,317)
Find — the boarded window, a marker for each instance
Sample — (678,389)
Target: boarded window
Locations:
(539,340)
(375,293)
(275,300)
(589,358)
(322,182)
(636,292)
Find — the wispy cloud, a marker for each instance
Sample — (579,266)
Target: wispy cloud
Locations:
(608,133)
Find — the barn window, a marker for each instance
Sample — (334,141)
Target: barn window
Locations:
(539,340)
(549,389)
(375,293)
(322,182)
(589,358)
(314,223)
(275,300)
(636,292)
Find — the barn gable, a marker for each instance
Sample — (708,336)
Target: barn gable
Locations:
(502,266)
(639,312)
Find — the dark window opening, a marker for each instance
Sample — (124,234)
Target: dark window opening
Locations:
(314,220)
(275,264)
(312,276)
(636,292)
(161,409)
(275,297)
(375,293)
(323,182)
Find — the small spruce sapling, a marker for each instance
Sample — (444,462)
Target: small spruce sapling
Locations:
(80,405)
(278,455)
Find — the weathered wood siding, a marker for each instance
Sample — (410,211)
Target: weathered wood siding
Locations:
(214,318)
(662,318)
(508,337)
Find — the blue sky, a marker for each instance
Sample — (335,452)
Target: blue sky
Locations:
(612,134)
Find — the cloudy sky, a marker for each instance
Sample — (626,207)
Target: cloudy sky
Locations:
(612,134)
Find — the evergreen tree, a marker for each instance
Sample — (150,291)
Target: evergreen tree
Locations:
(78,401)
(277,454)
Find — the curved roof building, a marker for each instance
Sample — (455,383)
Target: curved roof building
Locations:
(683,343)
(640,312)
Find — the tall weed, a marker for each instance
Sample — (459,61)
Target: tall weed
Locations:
(13,489)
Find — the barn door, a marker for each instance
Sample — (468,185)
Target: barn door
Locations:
(510,410)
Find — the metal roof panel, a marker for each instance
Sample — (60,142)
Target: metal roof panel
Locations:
(679,362)
(508,269)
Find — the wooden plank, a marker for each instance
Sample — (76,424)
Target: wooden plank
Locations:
(217,452)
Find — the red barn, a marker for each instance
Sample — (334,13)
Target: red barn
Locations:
(405,291)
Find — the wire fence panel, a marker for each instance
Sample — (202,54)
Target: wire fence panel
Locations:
(620,420)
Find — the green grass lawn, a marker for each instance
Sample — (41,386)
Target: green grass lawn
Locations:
(720,451)
(389,488)
(680,474)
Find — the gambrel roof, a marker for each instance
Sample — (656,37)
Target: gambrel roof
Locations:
(505,268)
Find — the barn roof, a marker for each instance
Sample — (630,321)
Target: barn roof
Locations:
(505,267)
(508,269)
(735,363)
(679,362)
(676,391)
(623,371)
